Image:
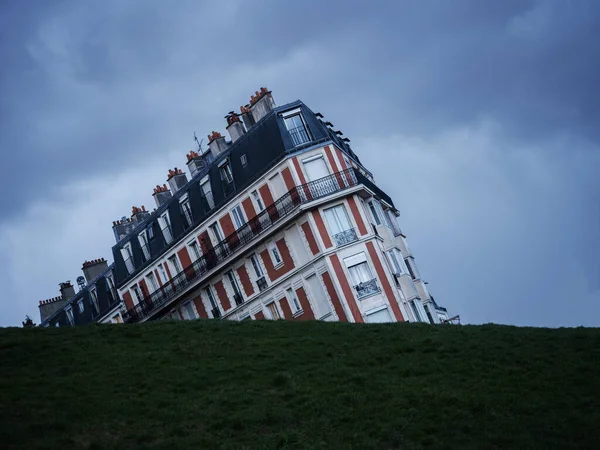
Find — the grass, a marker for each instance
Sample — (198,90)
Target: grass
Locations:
(263,385)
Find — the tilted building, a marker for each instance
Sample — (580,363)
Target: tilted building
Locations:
(281,220)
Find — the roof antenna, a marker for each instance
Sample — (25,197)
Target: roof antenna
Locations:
(199,143)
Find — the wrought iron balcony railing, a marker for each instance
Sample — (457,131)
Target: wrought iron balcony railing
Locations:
(262,284)
(299,135)
(268,218)
(345,237)
(367,288)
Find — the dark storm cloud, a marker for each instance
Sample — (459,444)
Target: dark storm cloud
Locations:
(90,89)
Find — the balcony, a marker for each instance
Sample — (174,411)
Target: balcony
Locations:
(367,288)
(267,219)
(262,284)
(299,135)
(345,237)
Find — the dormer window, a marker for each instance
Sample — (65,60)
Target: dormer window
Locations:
(226,177)
(186,211)
(165,226)
(207,193)
(128,258)
(296,126)
(143,239)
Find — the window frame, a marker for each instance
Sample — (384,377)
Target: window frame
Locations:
(256,197)
(137,292)
(151,280)
(196,250)
(206,181)
(215,230)
(293,300)
(127,255)
(237,214)
(274,254)
(166,220)
(94,300)
(289,116)
(175,265)
(70,315)
(144,244)
(80,306)
(186,208)
(226,171)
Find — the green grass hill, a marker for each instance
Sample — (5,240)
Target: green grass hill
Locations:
(262,385)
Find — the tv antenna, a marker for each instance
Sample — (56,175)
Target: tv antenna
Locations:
(199,143)
(81,282)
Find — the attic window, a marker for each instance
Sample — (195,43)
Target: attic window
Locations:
(244,160)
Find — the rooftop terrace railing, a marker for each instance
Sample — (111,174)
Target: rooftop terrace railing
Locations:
(267,219)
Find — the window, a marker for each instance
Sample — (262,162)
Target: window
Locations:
(373,210)
(216,313)
(275,256)
(207,192)
(80,306)
(315,168)
(94,298)
(117,319)
(411,268)
(396,261)
(142,237)
(381,315)
(174,264)
(428,314)
(186,210)
(318,296)
(237,295)
(165,226)
(150,232)
(244,160)
(195,250)
(112,292)
(137,293)
(189,313)
(128,258)
(291,295)
(216,232)
(415,310)
(260,279)
(238,217)
(297,129)
(361,276)
(277,186)
(227,178)
(57,324)
(273,311)
(70,316)
(152,282)
(258,200)
(163,273)
(341,229)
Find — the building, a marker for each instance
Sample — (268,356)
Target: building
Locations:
(280,221)
(96,301)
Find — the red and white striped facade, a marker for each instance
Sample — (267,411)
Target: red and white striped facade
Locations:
(339,257)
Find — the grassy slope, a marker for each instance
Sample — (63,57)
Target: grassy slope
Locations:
(312,385)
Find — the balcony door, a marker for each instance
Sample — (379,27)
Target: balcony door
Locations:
(316,169)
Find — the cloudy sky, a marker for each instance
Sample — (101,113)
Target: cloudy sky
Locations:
(481,119)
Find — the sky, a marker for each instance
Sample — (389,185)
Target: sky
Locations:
(480,119)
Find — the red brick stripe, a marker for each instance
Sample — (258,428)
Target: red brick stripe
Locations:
(302,178)
(267,197)
(307,312)
(288,179)
(200,307)
(362,229)
(127,299)
(287,312)
(186,262)
(346,289)
(228,229)
(337,304)
(321,228)
(384,282)
(222,295)
(144,288)
(245,279)
(310,237)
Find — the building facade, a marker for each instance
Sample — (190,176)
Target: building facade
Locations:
(281,221)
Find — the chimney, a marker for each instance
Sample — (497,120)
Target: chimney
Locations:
(91,269)
(177,179)
(50,306)
(195,162)
(216,143)
(235,127)
(261,103)
(123,227)
(161,194)
(247,116)
(67,290)
(138,215)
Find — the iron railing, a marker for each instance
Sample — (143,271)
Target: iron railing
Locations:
(299,135)
(266,219)
(262,284)
(345,237)
(367,288)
